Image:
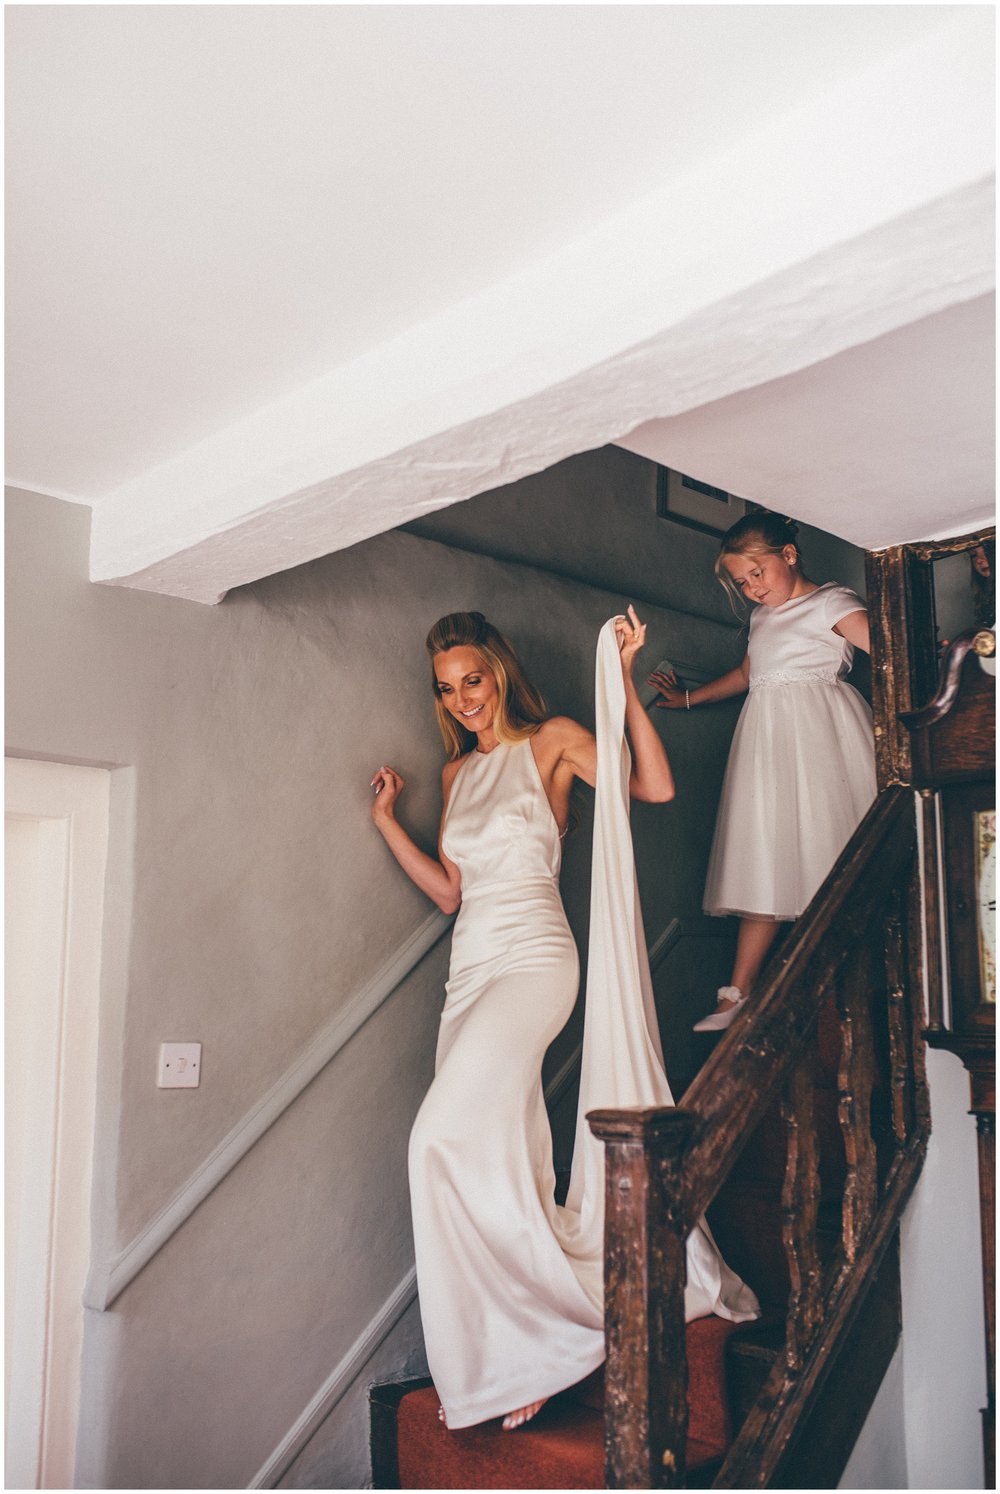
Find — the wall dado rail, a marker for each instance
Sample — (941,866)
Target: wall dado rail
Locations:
(108,1279)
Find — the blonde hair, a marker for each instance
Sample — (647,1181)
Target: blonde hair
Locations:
(520,709)
(758,533)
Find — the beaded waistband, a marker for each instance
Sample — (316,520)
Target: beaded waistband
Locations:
(794,677)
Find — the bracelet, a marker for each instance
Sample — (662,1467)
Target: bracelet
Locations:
(687,694)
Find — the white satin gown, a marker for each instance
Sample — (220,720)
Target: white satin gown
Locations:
(510,1283)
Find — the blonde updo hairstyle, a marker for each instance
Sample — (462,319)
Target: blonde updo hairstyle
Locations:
(758,533)
(520,709)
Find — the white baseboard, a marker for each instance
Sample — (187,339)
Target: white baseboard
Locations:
(337,1384)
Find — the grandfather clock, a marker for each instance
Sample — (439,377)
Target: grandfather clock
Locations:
(935,721)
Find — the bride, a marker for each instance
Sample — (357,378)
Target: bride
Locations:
(510,1283)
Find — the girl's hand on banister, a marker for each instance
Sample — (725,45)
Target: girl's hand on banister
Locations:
(672,696)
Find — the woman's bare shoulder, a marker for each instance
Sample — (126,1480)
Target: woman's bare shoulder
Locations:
(559,730)
(450,769)
(561,739)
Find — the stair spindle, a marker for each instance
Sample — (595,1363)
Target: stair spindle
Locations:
(856,1082)
(800,1210)
(900,1077)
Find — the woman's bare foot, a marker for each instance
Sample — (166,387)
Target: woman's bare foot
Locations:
(524,1413)
(441,1416)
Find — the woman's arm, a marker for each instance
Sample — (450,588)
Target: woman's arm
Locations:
(440,880)
(651,779)
(854,627)
(675,697)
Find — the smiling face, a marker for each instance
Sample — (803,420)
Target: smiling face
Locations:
(466,688)
(767,577)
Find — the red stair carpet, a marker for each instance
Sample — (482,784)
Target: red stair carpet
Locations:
(563,1448)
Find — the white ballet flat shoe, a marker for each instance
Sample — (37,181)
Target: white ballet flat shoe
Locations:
(718,1020)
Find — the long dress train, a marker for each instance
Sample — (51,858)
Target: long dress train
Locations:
(511,1284)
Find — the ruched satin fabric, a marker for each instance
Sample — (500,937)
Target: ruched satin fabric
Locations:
(511,1285)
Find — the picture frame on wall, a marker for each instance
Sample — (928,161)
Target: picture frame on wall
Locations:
(688,500)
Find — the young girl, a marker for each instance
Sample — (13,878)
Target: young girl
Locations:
(801,770)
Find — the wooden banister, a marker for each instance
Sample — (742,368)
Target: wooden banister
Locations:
(736,1085)
(979,641)
(857,945)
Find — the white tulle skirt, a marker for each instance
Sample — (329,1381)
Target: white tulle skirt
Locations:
(800,777)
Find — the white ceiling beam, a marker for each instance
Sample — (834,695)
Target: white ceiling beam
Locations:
(863,212)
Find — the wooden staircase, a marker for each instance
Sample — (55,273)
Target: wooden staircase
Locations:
(842,992)
(801,1139)
(562,1448)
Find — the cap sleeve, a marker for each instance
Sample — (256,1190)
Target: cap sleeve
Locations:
(839,602)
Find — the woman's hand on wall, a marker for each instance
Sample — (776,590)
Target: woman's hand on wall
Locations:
(440,880)
(388,786)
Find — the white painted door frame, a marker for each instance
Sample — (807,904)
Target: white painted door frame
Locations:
(57,835)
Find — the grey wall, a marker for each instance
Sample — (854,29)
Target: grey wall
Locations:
(594,517)
(249,898)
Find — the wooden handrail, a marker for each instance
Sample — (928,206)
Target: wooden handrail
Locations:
(664,1167)
(737,1084)
(980,641)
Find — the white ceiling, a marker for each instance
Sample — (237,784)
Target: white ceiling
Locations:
(260,256)
(854,445)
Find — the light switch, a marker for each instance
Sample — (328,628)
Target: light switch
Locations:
(180,1066)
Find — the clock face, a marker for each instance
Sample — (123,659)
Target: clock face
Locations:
(986,889)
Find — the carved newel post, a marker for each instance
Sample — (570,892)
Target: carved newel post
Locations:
(645,1275)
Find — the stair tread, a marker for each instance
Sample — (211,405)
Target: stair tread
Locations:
(563,1447)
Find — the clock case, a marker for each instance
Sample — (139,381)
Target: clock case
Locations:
(935,731)
(971,1014)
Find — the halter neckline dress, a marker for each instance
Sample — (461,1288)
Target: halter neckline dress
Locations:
(510,1283)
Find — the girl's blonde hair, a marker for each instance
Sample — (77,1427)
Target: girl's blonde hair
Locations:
(758,533)
(520,709)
